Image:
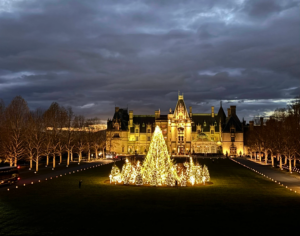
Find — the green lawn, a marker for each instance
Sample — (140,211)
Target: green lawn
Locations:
(238,200)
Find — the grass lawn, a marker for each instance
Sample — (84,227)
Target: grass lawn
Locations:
(237,201)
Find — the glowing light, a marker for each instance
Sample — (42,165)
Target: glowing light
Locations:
(158,169)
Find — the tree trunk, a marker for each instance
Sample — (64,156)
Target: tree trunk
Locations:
(68,158)
(60,158)
(290,164)
(272,157)
(30,160)
(96,153)
(266,157)
(79,156)
(47,161)
(103,153)
(71,156)
(37,164)
(280,160)
(53,160)
(89,155)
(10,162)
(16,160)
(285,159)
(294,161)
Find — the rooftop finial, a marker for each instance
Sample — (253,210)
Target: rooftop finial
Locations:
(220,103)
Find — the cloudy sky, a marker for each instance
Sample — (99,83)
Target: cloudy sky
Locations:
(95,55)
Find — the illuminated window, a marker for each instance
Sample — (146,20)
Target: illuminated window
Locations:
(180,134)
(136,138)
(212,131)
(122,149)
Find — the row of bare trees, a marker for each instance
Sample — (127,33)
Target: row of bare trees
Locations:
(279,136)
(32,135)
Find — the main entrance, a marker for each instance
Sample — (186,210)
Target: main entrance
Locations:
(181,150)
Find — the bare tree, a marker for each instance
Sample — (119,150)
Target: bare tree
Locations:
(78,125)
(88,137)
(16,116)
(55,119)
(99,138)
(69,135)
(3,154)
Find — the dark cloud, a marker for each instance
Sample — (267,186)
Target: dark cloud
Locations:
(93,55)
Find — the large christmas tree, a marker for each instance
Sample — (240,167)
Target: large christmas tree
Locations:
(158,168)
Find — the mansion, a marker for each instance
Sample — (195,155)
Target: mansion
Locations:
(185,132)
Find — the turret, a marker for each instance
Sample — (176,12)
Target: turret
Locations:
(130,118)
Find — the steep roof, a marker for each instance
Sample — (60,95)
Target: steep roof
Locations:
(142,121)
(180,106)
(120,116)
(233,121)
(205,120)
(222,115)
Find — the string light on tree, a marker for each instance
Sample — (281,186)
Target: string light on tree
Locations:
(158,169)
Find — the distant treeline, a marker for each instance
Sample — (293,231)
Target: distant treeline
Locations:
(32,135)
(278,137)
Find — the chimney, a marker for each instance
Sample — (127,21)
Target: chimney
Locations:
(233,110)
(130,118)
(229,112)
(251,123)
(212,111)
(261,121)
(191,112)
(116,109)
(157,115)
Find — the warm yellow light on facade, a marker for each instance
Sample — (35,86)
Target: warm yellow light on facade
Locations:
(158,169)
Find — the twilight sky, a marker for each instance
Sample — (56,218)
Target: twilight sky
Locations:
(93,55)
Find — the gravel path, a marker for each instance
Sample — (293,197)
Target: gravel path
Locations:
(56,172)
(282,176)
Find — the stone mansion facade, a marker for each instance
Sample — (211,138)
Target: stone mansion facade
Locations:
(184,131)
